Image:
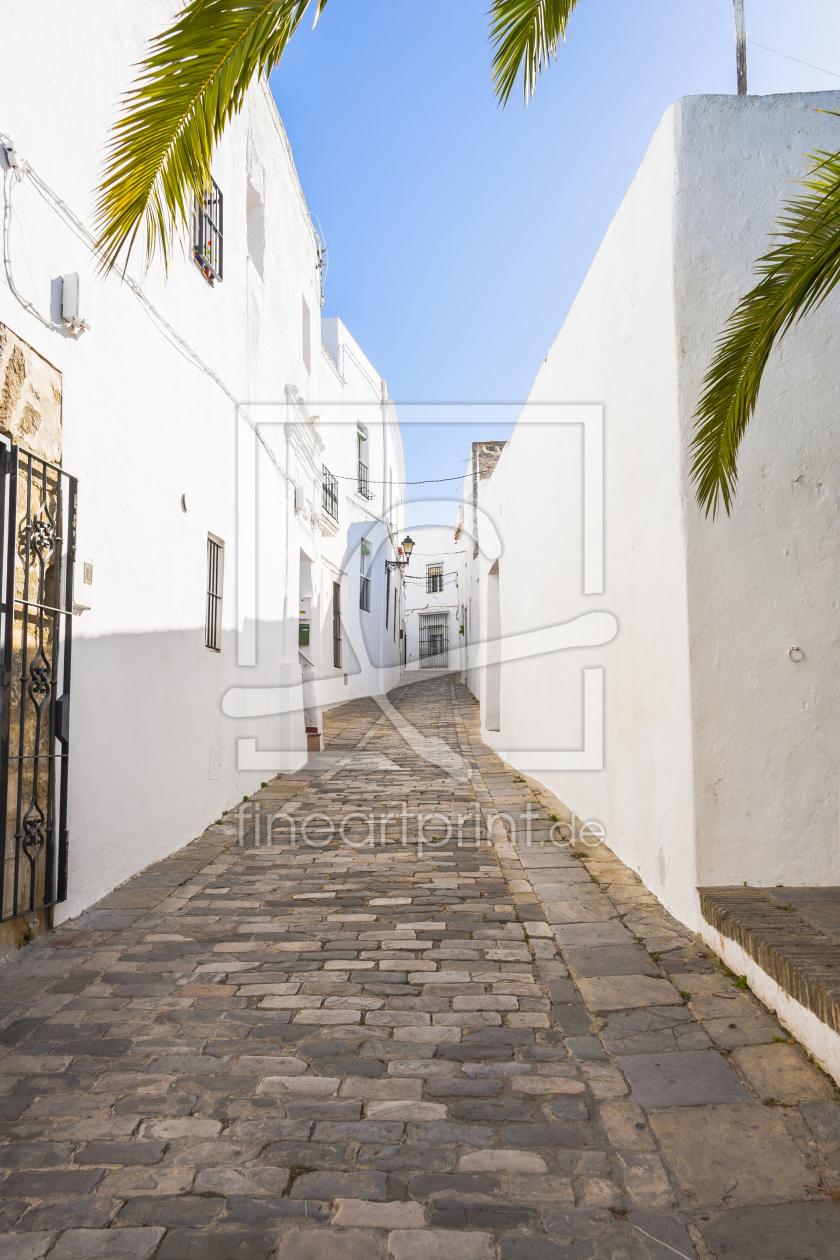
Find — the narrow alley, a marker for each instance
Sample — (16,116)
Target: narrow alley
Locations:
(335,1045)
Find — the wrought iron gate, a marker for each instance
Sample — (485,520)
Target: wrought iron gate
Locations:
(434,641)
(37,550)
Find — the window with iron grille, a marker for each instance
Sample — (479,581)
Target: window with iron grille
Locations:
(434,578)
(363,482)
(208,227)
(434,641)
(364,578)
(215,579)
(337,625)
(387,594)
(329,495)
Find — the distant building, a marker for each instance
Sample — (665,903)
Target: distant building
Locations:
(432,627)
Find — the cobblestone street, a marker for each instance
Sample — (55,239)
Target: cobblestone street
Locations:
(474,1050)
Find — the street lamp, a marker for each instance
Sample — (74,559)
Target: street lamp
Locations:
(405,549)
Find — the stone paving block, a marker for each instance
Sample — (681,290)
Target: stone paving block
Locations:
(732,1155)
(386,1088)
(187,1127)
(542,1188)
(427,1034)
(645,1180)
(36,1154)
(111,1244)
(365,1214)
(329,1244)
(267,1065)
(222,1243)
(36,1184)
(301,1086)
(783,1073)
(784,1231)
(660,1235)
(246,1181)
(405,1109)
(334,1185)
(615,993)
(171,1211)
(358,1131)
(424,1068)
(261,1213)
(125,1183)
(492,1161)
(823,1119)
(432,1186)
(598,1192)
(137,1152)
(440,1244)
(609,960)
(686,1079)
(626,1125)
(741,1028)
(540,1085)
(32,1246)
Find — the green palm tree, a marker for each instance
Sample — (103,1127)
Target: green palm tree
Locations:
(794,277)
(194,79)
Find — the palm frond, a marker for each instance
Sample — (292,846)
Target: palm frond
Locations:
(525,35)
(192,81)
(796,275)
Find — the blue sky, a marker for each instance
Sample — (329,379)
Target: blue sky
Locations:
(459,232)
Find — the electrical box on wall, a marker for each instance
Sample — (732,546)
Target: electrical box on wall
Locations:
(73,312)
(303,634)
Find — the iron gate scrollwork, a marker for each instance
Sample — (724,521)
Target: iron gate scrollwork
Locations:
(37,546)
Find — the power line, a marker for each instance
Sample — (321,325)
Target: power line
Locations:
(809,64)
(427,482)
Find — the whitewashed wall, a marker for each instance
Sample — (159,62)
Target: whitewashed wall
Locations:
(721,755)
(143,426)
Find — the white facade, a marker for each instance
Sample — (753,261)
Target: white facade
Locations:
(720,756)
(165,733)
(432,625)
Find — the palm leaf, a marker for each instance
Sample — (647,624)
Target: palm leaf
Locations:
(192,81)
(525,35)
(796,275)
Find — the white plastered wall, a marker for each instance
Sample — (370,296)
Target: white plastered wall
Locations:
(143,426)
(720,754)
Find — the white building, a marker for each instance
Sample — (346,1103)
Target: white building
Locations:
(198,413)
(713,756)
(432,627)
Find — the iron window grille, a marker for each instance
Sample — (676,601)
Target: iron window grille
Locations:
(434,578)
(364,485)
(364,580)
(434,641)
(362,480)
(208,226)
(215,578)
(329,494)
(337,625)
